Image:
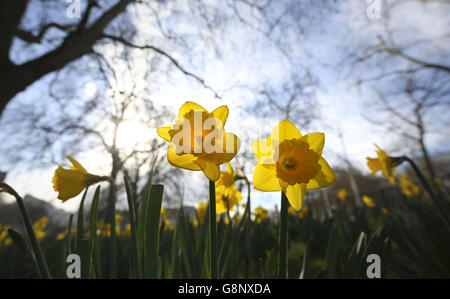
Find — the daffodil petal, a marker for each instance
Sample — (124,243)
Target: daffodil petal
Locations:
(231,147)
(324,178)
(296,195)
(185,161)
(163,132)
(188,106)
(316,141)
(230,169)
(69,183)
(210,169)
(263,151)
(283,131)
(76,164)
(221,114)
(264,178)
(220,208)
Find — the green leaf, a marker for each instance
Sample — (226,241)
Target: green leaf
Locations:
(80,219)
(21,244)
(94,244)
(151,238)
(134,242)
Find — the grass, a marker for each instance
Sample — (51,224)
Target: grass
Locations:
(411,240)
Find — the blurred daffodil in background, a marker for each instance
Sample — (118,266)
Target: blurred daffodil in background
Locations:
(384,163)
(292,163)
(198,140)
(227,194)
(4,240)
(201,210)
(408,187)
(70,182)
(39,228)
(342,194)
(260,214)
(368,201)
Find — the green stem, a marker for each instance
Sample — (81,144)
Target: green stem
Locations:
(40,259)
(248,214)
(214,269)
(283,237)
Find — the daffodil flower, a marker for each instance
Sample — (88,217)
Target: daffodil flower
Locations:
(292,163)
(408,188)
(227,194)
(342,194)
(70,182)
(368,201)
(384,163)
(260,214)
(201,210)
(198,140)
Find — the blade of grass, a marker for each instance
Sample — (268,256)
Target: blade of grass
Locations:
(21,244)
(43,268)
(94,236)
(69,235)
(80,219)
(151,238)
(112,237)
(134,244)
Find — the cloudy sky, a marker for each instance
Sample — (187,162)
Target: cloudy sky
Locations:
(249,60)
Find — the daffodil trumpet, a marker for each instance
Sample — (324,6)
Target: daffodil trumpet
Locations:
(72,181)
(41,263)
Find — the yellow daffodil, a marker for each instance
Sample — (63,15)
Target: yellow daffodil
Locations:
(385,211)
(368,201)
(167,226)
(260,214)
(198,140)
(201,210)
(39,227)
(342,194)
(408,187)
(237,218)
(194,223)
(70,182)
(3,233)
(163,213)
(60,236)
(384,163)
(292,163)
(119,218)
(127,231)
(227,194)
